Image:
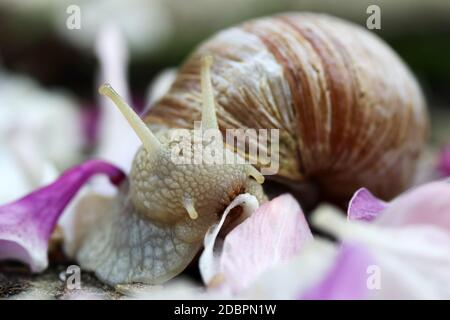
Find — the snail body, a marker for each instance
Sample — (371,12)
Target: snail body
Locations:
(349,114)
(157,223)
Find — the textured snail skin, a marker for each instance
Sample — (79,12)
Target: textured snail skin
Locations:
(349,111)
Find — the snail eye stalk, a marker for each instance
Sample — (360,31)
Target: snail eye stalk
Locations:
(209,119)
(150,142)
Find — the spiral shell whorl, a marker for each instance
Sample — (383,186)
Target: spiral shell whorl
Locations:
(349,111)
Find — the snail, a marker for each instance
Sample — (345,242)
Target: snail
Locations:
(157,223)
(348,111)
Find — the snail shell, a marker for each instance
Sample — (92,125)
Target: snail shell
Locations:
(349,111)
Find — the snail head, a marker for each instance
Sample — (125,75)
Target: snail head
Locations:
(168,190)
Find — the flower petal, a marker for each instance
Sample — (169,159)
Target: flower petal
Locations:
(365,206)
(413,262)
(347,278)
(40,133)
(290,279)
(209,262)
(274,233)
(428,204)
(90,119)
(444,161)
(26,224)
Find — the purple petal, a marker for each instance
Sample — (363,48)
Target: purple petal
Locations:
(444,161)
(428,204)
(365,206)
(413,262)
(90,118)
(347,278)
(26,224)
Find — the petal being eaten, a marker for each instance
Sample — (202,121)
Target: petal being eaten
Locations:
(209,262)
(273,234)
(26,224)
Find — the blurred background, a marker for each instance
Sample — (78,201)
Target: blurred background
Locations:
(35,40)
(49,73)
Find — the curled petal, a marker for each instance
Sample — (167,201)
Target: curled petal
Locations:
(209,263)
(428,204)
(26,224)
(365,206)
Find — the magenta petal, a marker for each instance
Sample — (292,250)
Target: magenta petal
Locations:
(347,278)
(273,234)
(365,206)
(444,161)
(90,118)
(26,224)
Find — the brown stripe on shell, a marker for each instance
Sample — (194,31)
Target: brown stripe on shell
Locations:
(336,85)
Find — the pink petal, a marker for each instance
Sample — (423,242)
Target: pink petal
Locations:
(347,278)
(444,161)
(413,262)
(273,234)
(428,204)
(365,206)
(26,224)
